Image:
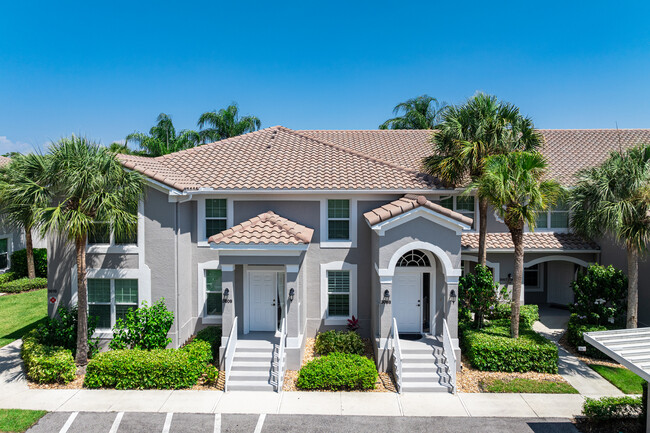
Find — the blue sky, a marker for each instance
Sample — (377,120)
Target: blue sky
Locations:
(105,69)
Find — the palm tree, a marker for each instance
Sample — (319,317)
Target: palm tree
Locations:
(226,123)
(162,138)
(23,190)
(468,135)
(423,112)
(614,199)
(89,185)
(513,184)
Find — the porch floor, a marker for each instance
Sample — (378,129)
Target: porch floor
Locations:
(259,336)
(432,341)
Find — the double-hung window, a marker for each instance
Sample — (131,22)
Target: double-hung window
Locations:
(338,294)
(101,233)
(338,220)
(4,253)
(111,299)
(216,216)
(213,292)
(464,205)
(555,218)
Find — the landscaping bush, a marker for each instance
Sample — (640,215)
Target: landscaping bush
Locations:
(19,263)
(211,334)
(492,349)
(61,331)
(610,408)
(575,330)
(339,341)
(6,277)
(46,364)
(600,296)
(338,371)
(478,294)
(528,314)
(149,369)
(144,328)
(23,285)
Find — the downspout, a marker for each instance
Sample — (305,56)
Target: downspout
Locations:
(177,282)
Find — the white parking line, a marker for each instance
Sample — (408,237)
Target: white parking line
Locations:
(260,423)
(69,422)
(116,423)
(217,423)
(168,422)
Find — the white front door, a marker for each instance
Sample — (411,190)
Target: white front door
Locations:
(262,300)
(407,300)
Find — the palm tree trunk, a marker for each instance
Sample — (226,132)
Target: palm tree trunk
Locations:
(482,230)
(81,358)
(632,286)
(29,247)
(517,234)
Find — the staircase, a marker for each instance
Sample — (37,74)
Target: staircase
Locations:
(424,368)
(252,364)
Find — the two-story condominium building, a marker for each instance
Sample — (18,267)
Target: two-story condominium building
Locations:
(283,232)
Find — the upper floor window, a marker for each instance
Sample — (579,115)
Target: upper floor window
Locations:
(338,219)
(216,216)
(464,205)
(101,233)
(555,218)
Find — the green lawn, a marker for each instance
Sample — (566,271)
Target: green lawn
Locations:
(18,420)
(528,386)
(622,378)
(21,313)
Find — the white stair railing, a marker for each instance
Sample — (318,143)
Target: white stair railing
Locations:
(450,355)
(230,352)
(397,355)
(279,359)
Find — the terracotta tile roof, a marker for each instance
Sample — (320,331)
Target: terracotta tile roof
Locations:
(277,158)
(405,204)
(537,241)
(266,229)
(4,161)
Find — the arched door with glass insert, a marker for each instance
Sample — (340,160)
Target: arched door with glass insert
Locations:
(412,292)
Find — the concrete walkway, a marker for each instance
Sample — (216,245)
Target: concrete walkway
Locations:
(12,376)
(552,325)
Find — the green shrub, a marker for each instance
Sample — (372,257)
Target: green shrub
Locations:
(23,285)
(339,341)
(211,334)
(144,328)
(149,369)
(528,314)
(338,371)
(610,408)
(575,330)
(210,375)
(19,263)
(46,364)
(492,349)
(477,293)
(61,331)
(6,277)
(600,296)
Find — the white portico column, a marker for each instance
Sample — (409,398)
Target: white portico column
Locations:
(228,310)
(451,311)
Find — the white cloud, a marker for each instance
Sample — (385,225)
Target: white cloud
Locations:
(7,146)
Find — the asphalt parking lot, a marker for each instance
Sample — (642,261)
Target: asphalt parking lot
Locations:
(128,422)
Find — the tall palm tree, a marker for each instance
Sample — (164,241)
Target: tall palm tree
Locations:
(423,112)
(513,184)
(23,190)
(162,138)
(89,185)
(614,199)
(468,135)
(226,123)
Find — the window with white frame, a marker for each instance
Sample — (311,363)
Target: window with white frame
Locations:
(111,299)
(4,253)
(338,220)
(464,205)
(213,293)
(216,216)
(556,218)
(338,294)
(101,234)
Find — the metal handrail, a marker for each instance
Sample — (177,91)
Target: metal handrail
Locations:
(397,355)
(230,352)
(279,367)
(450,355)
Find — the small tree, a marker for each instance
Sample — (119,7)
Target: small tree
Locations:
(600,296)
(143,328)
(478,293)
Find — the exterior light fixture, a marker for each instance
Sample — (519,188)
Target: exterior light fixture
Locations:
(452,295)
(386,299)
(291,294)
(226,292)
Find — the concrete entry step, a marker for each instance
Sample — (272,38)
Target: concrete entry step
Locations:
(252,366)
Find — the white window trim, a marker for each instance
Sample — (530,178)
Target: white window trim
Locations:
(200,218)
(475,218)
(548,228)
(343,243)
(113,304)
(338,266)
(10,248)
(201,307)
(113,248)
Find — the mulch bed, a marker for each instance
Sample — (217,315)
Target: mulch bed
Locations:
(564,342)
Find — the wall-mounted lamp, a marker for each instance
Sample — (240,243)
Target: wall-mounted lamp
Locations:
(291,294)
(226,292)
(386,299)
(453,296)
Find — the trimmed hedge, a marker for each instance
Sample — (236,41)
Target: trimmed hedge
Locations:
(6,277)
(45,364)
(577,328)
(23,285)
(528,314)
(611,408)
(492,349)
(19,263)
(212,335)
(338,371)
(339,341)
(149,369)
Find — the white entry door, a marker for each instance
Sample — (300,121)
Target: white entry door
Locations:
(407,301)
(262,292)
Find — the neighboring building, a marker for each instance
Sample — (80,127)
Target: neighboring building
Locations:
(314,227)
